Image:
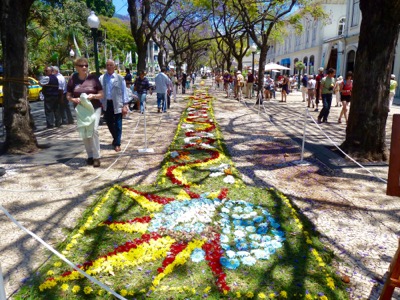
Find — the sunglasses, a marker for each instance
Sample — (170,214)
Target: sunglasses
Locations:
(83,66)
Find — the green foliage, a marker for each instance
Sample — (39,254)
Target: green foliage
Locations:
(101,7)
(300,65)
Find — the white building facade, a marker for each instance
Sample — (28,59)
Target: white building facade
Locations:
(329,43)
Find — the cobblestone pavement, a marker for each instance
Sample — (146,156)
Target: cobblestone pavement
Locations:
(48,191)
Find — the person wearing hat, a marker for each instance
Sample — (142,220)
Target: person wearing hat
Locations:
(318,79)
(392,89)
(240,85)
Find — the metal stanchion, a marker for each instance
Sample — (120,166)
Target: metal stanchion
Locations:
(2,289)
(302,162)
(145,149)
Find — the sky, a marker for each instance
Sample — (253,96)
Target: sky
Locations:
(121,6)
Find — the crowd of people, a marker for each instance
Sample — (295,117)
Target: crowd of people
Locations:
(315,89)
(110,96)
(113,96)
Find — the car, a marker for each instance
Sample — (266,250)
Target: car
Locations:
(33,89)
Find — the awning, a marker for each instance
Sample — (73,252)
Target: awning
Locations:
(285,61)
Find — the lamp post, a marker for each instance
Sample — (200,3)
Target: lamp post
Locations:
(94,23)
(253,51)
(72,54)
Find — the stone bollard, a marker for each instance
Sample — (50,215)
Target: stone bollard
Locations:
(393,185)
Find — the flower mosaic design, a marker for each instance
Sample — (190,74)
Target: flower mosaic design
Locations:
(226,234)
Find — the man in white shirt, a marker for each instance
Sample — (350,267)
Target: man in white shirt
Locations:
(162,85)
(115,102)
(65,110)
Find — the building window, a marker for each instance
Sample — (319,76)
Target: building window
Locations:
(355,16)
(342,24)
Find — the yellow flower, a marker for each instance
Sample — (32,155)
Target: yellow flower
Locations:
(283,294)
(271,295)
(309,297)
(50,272)
(323,297)
(262,296)
(100,292)
(65,287)
(57,264)
(76,289)
(207,289)
(238,295)
(87,290)
(249,295)
(123,292)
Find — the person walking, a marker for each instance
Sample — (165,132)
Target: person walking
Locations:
(304,90)
(285,88)
(51,93)
(346,86)
(326,90)
(240,85)
(142,86)
(392,89)
(184,79)
(318,79)
(311,91)
(115,102)
(162,86)
(336,89)
(249,84)
(84,84)
(65,110)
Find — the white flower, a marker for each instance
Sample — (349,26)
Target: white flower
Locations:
(229,179)
(216,174)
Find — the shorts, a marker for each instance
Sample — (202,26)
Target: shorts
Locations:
(346,98)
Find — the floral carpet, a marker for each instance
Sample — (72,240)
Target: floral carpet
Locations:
(197,233)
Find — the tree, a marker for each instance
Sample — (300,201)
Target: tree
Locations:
(18,121)
(101,7)
(145,17)
(365,132)
(260,18)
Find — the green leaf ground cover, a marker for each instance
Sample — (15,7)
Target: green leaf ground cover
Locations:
(197,233)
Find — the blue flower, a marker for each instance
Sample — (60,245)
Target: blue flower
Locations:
(255,237)
(258,219)
(197,255)
(231,264)
(226,247)
(251,229)
(238,209)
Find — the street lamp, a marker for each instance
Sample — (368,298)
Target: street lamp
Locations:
(94,24)
(253,51)
(72,54)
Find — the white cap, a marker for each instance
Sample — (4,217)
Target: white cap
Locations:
(392,76)
(238,72)
(321,69)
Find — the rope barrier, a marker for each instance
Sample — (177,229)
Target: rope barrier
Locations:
(62,257)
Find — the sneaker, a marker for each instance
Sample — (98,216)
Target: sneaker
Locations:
(316,109)
(96,163)
(89,161)
(117,149)
(319,120)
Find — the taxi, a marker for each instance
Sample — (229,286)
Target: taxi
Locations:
(33,89)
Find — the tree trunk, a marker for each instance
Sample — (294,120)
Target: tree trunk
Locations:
(261,66)
(17,118)
(365,133)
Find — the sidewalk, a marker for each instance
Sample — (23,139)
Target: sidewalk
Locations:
(48,191)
